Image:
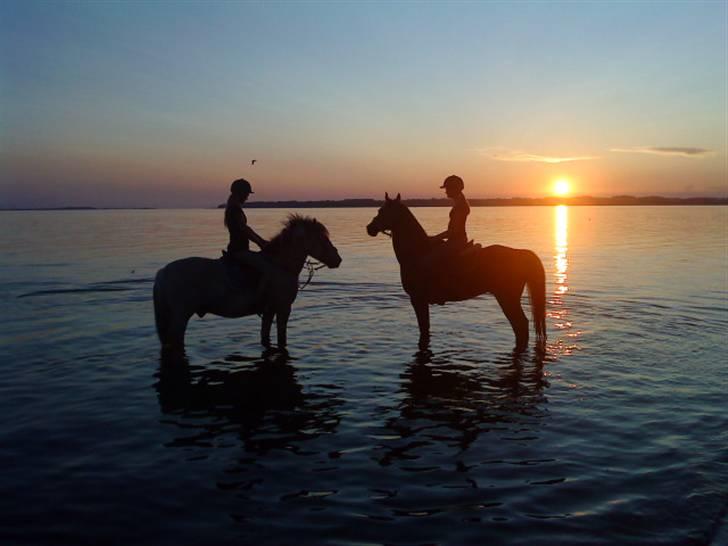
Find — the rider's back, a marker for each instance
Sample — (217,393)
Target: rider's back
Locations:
(456,227)
(235,220)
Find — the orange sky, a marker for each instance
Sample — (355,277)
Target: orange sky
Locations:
(352,100)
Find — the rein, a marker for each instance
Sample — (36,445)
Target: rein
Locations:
(312,266)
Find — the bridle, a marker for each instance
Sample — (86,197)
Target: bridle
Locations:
(312,266)
(387,231)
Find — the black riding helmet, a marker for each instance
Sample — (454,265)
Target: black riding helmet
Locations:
(241,186)
(455,182)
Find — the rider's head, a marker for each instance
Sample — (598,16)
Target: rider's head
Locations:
(453,185)
(241,189)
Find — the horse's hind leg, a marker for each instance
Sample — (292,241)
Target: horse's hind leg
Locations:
(176,329)
(511,305)
(265,326)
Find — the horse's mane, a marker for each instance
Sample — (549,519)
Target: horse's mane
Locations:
(413,220)
(310,226)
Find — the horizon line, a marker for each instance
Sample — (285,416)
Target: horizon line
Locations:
(361,202)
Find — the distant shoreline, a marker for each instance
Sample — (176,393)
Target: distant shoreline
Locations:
(620,200)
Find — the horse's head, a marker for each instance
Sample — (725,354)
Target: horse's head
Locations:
(387,217)
(313,237)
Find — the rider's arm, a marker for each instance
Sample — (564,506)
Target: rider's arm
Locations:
(253,236)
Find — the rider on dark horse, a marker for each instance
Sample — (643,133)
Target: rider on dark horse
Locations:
(454,236)
(241,234)
(451,242)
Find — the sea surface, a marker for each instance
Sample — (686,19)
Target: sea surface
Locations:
(617,435)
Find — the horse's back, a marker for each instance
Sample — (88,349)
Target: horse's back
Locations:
(205,285)
(189,280)
(501,251)
(505,255)
(501,265)
(194,264)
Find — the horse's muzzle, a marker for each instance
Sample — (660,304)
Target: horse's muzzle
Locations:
(334,261)
(372,229)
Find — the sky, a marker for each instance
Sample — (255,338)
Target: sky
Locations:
(163,104)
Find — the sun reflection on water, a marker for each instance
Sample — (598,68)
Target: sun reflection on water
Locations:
(558,310)
(561,237)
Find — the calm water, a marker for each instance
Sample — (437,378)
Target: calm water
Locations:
(618,436)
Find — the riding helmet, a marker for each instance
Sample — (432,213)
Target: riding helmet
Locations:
(241,186)
(455,182)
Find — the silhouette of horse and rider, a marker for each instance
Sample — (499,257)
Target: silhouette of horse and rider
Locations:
(434,270)
(447,267)
(242,282)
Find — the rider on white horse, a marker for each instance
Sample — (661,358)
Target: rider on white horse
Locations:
(241,234)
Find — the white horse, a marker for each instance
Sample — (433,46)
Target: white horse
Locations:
(203,285)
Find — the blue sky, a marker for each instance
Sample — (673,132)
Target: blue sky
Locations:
(164,103)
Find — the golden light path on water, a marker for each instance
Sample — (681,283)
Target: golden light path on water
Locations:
(558,310)
(561,237)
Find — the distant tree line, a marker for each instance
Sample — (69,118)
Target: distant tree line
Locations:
(585,200)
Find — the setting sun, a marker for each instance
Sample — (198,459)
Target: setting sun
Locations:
(562,187)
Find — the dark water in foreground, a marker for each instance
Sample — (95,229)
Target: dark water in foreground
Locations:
(618,436)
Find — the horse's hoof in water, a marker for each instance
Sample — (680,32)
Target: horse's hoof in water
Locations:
(269,352)
(423,356)
(275,355)
(172,353)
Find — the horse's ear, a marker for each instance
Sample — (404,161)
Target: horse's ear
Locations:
(399,197)
(386,196)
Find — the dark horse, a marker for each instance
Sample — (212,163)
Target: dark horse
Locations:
(499,270)
(202,285)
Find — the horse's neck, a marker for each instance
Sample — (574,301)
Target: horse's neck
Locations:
(409,238)
(290,258)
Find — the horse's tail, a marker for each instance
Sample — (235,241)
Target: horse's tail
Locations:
(161,312)
(536,282)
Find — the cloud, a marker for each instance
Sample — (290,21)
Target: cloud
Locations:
(667,150)
(506,154)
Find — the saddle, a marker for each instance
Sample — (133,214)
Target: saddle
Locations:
(447,270)
(238,274)
(470,248)
(453,256)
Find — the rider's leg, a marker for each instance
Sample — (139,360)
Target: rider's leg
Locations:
(436,264)
(262,265)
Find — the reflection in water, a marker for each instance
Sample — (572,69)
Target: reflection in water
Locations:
(258,400)
(558,309)
(453,398)
(561,237)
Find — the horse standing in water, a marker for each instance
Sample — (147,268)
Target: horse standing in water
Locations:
(202,285)
(496,269)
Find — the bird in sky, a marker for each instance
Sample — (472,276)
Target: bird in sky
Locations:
(253,162)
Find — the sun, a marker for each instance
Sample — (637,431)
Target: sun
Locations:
(562,187)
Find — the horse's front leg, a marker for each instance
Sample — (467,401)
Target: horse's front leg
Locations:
(281,326)
(265,325)
(422,310)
